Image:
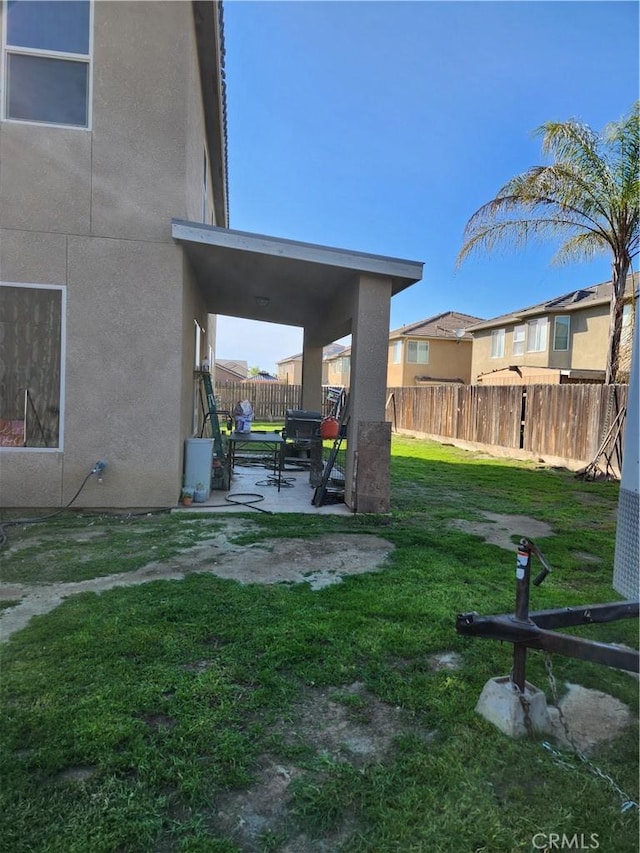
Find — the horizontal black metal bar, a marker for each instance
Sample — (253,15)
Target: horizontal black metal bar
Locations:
(511,630)
(496,627)
(563,617)
(577,647)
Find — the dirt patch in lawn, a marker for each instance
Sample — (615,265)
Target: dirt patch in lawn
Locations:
(320,561)
(504,530)
(347,726)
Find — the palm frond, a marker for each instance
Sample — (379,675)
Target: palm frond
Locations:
(571,142)
(589,195)
(580,247)
(519,232)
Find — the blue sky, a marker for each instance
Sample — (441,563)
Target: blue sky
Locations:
(382,126)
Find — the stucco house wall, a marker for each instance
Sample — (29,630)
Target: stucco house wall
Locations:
(90,209)
(290,371)
(337,370)
(448,361)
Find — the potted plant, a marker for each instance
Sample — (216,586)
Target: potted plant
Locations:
(186,495)
(200,494)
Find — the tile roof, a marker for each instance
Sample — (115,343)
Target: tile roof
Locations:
(597,294)
(445,325)
(262,376)
(233,365)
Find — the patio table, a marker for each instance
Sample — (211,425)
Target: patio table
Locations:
(257,442)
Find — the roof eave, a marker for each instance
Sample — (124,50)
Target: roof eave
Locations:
(207,16)
(403,273)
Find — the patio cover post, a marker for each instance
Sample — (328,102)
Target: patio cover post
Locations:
(369,348)
(311,375)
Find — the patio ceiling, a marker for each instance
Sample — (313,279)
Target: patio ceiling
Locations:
(257,277)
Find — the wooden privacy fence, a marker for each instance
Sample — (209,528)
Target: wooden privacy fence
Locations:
(567,421)
(269,400)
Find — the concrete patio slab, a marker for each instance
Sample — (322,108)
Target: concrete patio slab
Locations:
(254,489)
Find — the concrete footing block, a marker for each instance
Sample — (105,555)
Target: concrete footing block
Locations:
(500,704)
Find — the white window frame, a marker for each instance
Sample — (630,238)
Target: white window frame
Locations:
(418,345)
(205,190)
(199,331)
(566,317)
(63,364)
(519,339)
(533,343)
(497,343)
(396,352)
(45,54)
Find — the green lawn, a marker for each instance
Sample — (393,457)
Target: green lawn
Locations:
(131,719)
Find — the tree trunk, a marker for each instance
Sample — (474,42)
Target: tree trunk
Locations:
(619,272)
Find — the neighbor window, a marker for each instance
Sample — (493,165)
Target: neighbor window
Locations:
(46,62)
(519,336)
(537,335)
(418,352)
(342,367)
(31,355)
(396,350)
(561,327)
(497,343)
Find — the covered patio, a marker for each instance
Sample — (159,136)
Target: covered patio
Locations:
(329,293)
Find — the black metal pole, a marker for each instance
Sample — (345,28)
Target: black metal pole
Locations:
(523,574)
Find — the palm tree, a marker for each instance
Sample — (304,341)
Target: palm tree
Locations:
(589,196)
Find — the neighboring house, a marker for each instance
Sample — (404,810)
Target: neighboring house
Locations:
(428,352)
(337,368)
(227,370)
(431,351)
(290,369)
(105,136)
(561,340)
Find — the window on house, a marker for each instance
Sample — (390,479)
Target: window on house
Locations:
(537,335)
(519,336)
(31,359)
(396,352)
(418,352)
(627,311)
(561,326)
(497,343)
(47,62)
